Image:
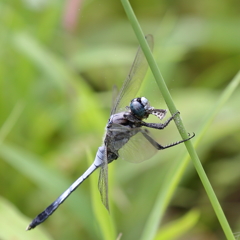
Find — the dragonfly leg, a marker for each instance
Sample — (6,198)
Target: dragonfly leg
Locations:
(159,125)
(161,147)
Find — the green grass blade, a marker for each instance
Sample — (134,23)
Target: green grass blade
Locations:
(178,167)
(50,181)
(10,122)
(59,73)
(13,223)
(166,95)
(178,227)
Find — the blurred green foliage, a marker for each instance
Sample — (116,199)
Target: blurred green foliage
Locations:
(59,61)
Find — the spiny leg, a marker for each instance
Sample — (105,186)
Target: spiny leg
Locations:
(159,146)
(159,125)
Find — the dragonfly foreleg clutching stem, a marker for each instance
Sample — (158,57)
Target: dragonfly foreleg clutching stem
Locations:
(162,126)
(161,147)
(159,125)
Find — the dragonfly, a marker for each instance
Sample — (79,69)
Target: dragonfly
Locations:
(126,135)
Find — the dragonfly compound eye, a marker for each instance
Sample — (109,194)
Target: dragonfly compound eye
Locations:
(138,108)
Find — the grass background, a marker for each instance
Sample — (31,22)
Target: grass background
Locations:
(59,61)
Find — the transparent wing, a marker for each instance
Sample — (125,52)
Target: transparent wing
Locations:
(103,181)
(133,80)
(138,148)
(115,92)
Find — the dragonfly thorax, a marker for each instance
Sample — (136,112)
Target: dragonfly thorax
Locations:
(140,107)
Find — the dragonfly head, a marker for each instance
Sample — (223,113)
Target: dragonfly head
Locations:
(140,107)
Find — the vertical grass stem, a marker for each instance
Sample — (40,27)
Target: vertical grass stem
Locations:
(168,99)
